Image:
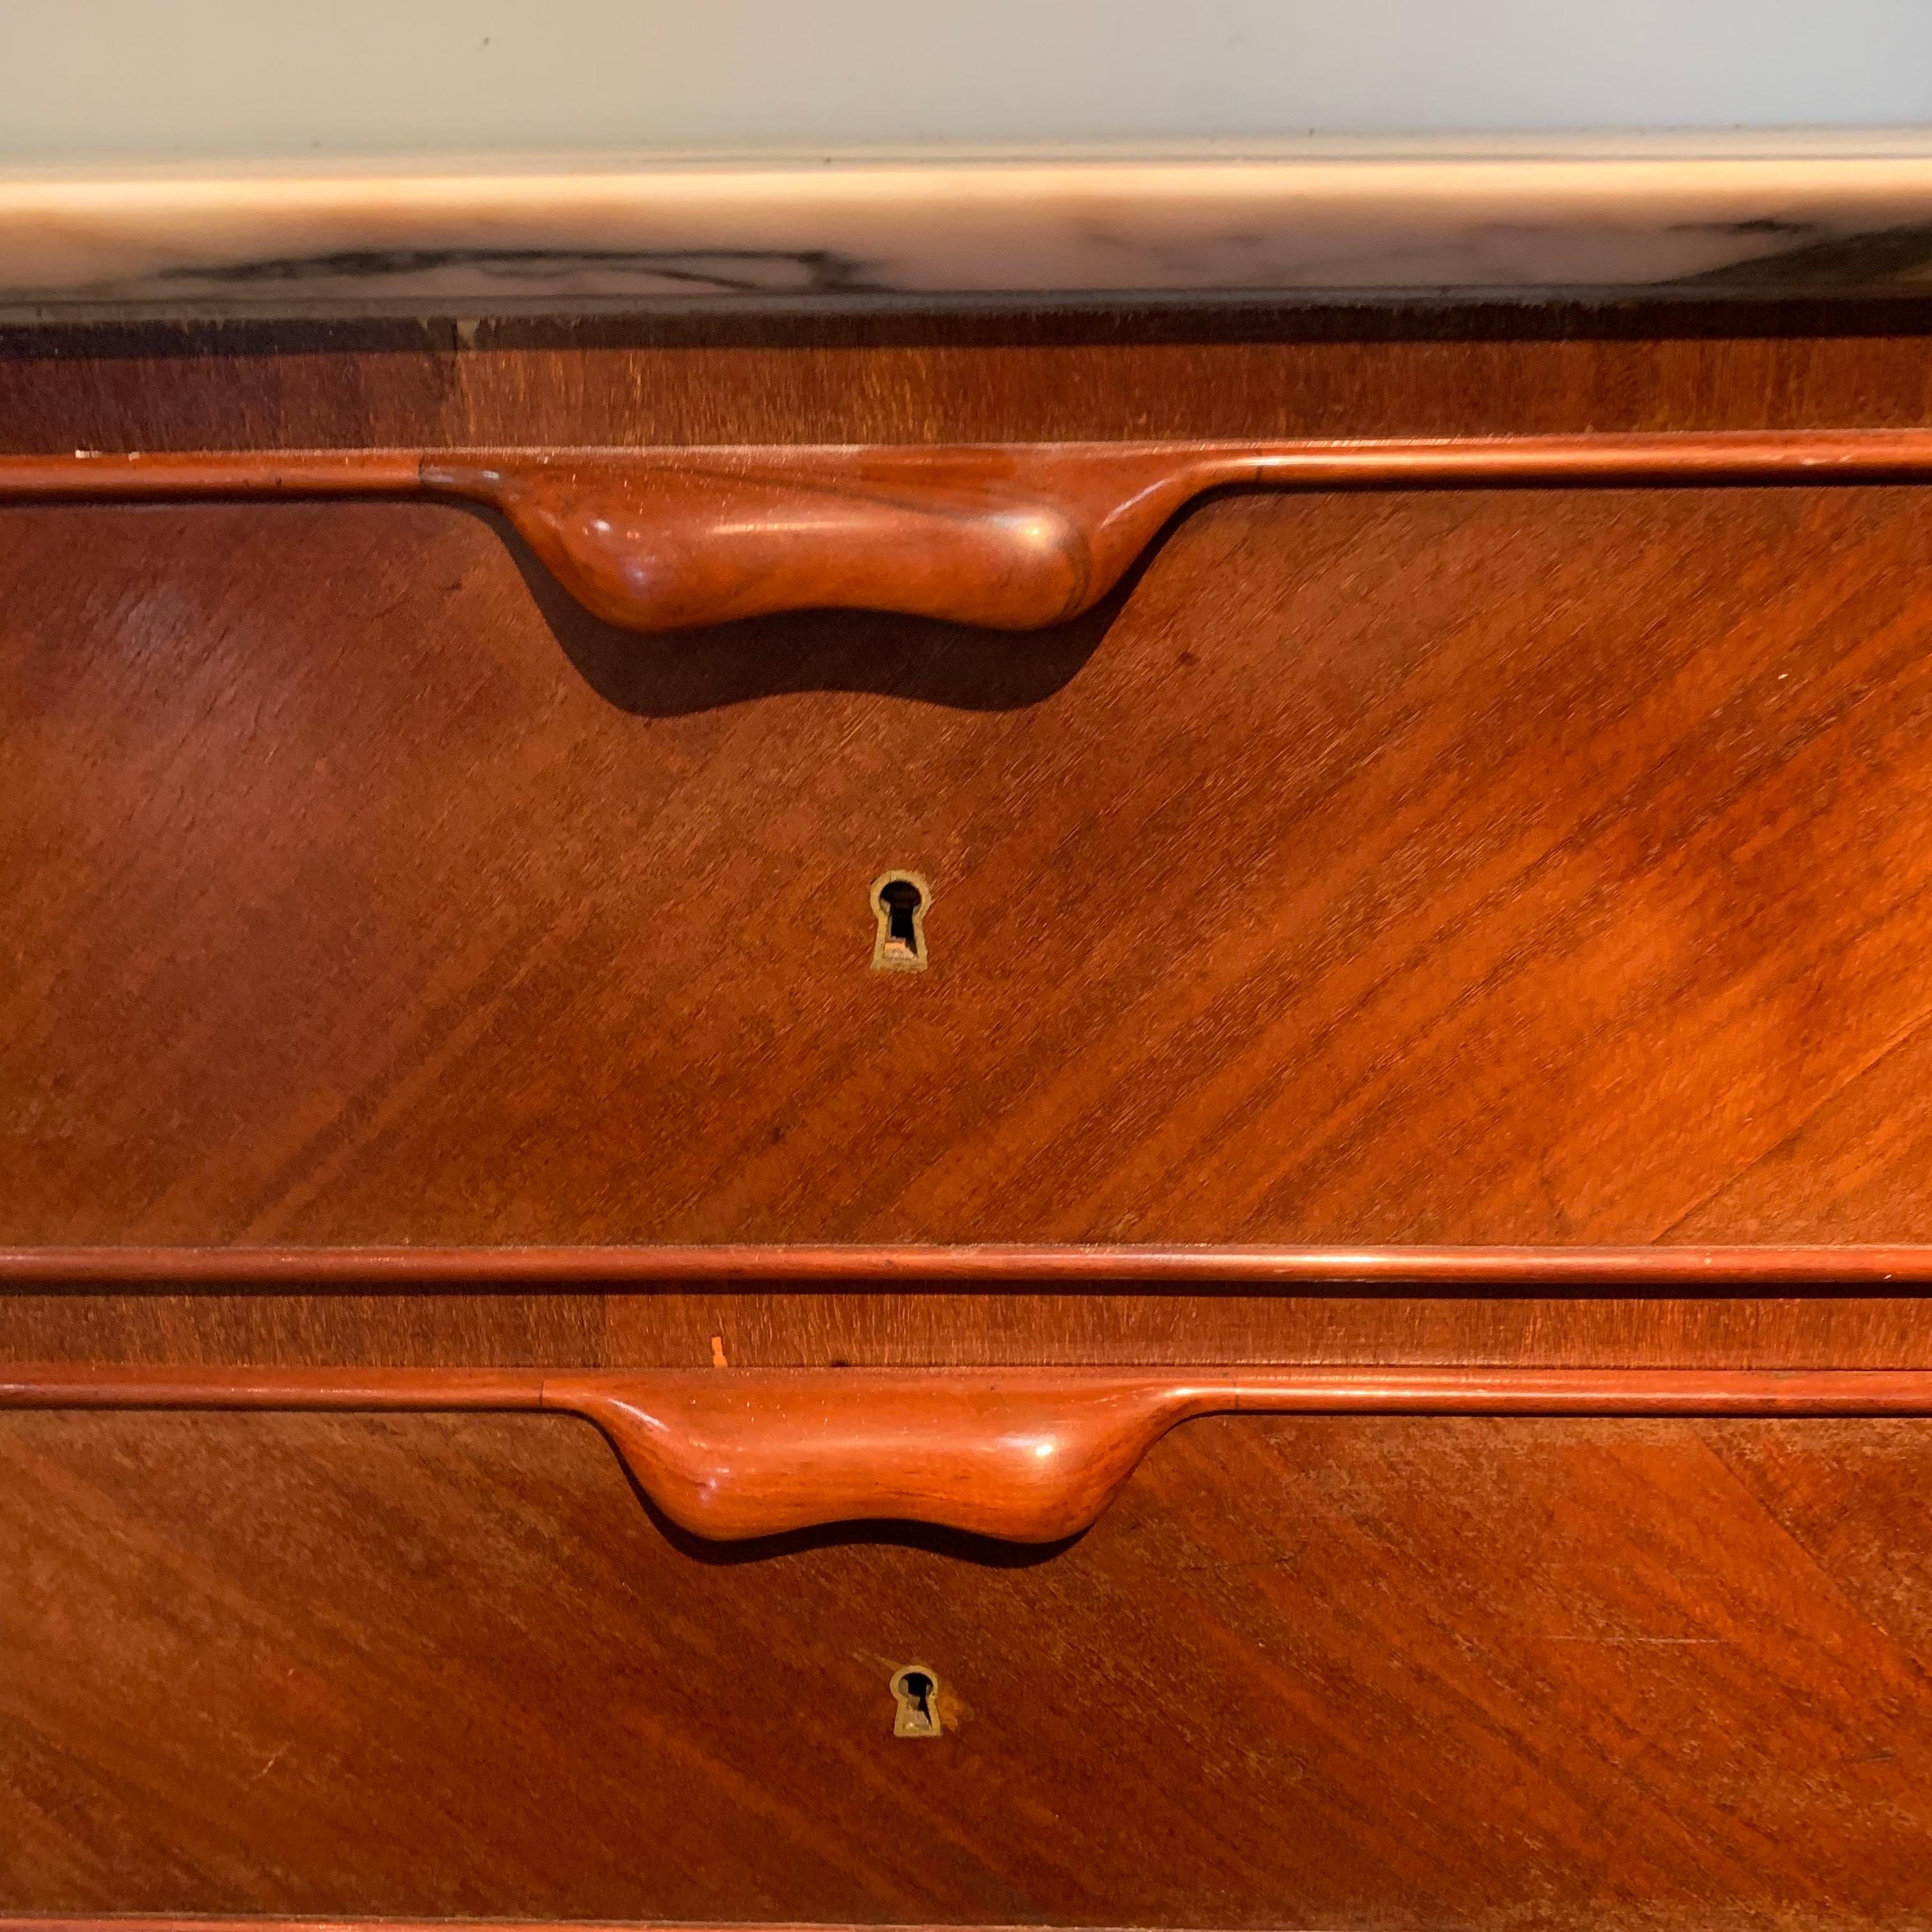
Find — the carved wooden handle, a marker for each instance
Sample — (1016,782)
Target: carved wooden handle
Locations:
(1032,1455)
(1011,536)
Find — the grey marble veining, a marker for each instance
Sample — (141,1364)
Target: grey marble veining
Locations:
(1759,215)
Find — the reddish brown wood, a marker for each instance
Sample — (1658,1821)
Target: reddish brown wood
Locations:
(766,1325)
(1515,867)
(162,1922)
(1319,1671)
(1032,1455)
(1013,537)
(109,1386)
(1433,868)
(1019,1265)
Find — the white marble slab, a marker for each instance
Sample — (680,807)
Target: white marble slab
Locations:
(1815,213)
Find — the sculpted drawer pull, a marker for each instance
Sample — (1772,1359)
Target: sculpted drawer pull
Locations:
(1032,1455)
(1013,536)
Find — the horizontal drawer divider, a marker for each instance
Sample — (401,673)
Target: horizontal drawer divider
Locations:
(986,1265)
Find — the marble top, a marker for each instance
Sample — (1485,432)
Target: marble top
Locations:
(1515,217)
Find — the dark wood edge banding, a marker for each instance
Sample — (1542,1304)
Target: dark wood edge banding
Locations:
(147,1922)
(323,1922)
(986,1265)
(1030,1455)
(1013,536)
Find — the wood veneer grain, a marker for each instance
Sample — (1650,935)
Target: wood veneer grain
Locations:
(774,1325)
(1405,1670)
(1657,759)
(1577,863)
(1499,964)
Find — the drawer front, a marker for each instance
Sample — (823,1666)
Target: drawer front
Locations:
(1458,867)
(1464,868)
(1396,1672)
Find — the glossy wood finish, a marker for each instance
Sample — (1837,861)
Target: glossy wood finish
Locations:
(837,1325)
(1576,894)
(403,969)
(1436,760)
(1311,1671)
(1069,1264)
(1013,538)
(1030,1456)
(156,1922)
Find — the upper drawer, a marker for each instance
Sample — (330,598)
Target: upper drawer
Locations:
(1481,866)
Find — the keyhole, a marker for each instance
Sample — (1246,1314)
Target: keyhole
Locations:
(899,901)
(916,1689)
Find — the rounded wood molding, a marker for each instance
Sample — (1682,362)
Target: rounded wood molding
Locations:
(1010,536)
(1026,1455)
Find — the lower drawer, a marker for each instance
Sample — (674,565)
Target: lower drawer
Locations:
(1365,1672)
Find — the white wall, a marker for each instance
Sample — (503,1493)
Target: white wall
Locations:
(184,78)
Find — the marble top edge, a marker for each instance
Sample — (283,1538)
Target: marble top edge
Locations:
(1757,212)
(1612,148)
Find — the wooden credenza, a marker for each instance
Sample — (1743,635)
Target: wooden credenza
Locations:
(1348,1351)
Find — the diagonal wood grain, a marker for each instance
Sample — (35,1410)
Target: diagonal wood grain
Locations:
(1402,1672)
(1482,875)
(1541,866)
